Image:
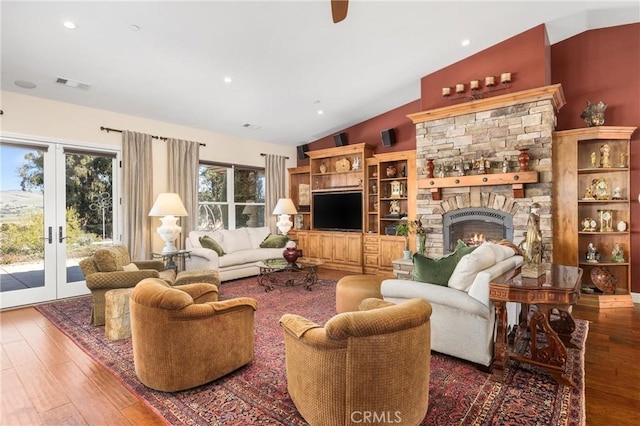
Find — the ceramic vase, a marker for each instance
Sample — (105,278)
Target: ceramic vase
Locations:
(523,160)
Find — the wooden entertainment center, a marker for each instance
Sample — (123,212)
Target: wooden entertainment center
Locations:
(387,183)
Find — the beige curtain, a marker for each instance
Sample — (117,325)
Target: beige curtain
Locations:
(137,194)
(183,161)
(275,175)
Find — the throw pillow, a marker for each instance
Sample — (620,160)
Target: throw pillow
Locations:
(274,241)
(130,267)
(469,266)
(208,242)
(434,271)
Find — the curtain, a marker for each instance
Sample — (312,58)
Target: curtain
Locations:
(183,162)
(275,170)
(137,194)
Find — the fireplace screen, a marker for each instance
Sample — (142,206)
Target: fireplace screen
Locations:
(475,225)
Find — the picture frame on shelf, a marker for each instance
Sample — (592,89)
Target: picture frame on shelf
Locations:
(298,221)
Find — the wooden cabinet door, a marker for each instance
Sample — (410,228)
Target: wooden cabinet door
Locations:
(326,247)
(354,249)
(302,242)
(390,249)
(314,246)
(340,248)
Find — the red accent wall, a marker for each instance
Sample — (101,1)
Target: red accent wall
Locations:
(369,131)
(523,55)
(604,65)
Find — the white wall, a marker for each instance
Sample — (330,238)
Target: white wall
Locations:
(32,116)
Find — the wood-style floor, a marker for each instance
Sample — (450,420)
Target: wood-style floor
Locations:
(47,379)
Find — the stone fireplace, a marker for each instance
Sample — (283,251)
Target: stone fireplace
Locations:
(493,129)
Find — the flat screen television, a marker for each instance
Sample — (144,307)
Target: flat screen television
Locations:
(337,211)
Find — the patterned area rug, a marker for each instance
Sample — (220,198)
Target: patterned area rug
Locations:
(459,393)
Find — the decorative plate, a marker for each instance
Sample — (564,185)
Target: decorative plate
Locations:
(343,165)
(604,280)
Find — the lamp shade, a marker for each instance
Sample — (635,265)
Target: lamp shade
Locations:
(168,203)
(285,206)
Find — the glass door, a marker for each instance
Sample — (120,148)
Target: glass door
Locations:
(55,209)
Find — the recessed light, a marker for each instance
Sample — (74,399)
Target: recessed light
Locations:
(25,84)
(465,42)
(227,80)
(70,25)
(135,27)
(320,112)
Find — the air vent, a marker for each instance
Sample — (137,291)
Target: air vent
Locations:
(73,83)
(251,126)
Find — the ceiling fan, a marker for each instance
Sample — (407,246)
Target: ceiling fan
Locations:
(339,10)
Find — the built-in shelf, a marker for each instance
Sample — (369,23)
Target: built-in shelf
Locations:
(515,179)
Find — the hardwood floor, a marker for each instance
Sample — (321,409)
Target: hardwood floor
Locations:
(46,379)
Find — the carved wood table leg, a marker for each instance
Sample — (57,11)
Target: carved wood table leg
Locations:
(562,323)
(501,348)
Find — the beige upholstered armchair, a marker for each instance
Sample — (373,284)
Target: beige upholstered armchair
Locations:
(111,267)
(370,364)
(183,337)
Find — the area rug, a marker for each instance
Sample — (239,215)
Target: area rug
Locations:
(460,394)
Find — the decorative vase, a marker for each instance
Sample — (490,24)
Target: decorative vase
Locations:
(406,254)
(430,168)
(391,171)
(523,160)
(291,254)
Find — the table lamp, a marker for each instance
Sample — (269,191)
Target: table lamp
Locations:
(284,208)
(168,205)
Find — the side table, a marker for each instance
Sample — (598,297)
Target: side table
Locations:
(170,258)
(553,295)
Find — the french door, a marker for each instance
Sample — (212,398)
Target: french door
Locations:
(56,207)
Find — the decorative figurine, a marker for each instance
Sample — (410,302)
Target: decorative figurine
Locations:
(617,255)
(356,163)
(588,195)
(394,208)
(533,239)
(616,193)
(604,156)
(593,115)
(623,160)
(592,254)
(593,159)
(505,165)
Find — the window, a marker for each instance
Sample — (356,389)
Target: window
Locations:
(230,196)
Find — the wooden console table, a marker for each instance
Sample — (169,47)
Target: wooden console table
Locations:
(552,294)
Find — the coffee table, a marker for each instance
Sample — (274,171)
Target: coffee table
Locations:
(552,295)
(279,272)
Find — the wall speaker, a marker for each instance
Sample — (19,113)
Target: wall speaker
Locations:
(340,139)
(388,137)
(302,151)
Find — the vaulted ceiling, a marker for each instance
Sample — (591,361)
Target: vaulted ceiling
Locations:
(286,60)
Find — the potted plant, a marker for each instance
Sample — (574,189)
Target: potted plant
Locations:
(403,229)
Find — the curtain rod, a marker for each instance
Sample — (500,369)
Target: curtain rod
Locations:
(162,138)
(264,155)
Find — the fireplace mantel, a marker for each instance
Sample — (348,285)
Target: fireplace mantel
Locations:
(516,180)
(553,92)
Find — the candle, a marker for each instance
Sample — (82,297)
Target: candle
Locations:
(505,77)
(446,91)
(489,81)
(459,88)
(474,84)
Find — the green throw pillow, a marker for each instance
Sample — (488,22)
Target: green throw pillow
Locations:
(208,242)
(274,241)
(434,271)
(438,271)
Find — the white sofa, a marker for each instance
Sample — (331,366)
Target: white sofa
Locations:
(242,252)
(463,318)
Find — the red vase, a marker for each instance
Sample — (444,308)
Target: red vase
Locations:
(291,254)
(430,167)
(523,160)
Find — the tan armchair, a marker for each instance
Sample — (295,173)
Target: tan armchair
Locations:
(183,337)
(104,271)
(361,366)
